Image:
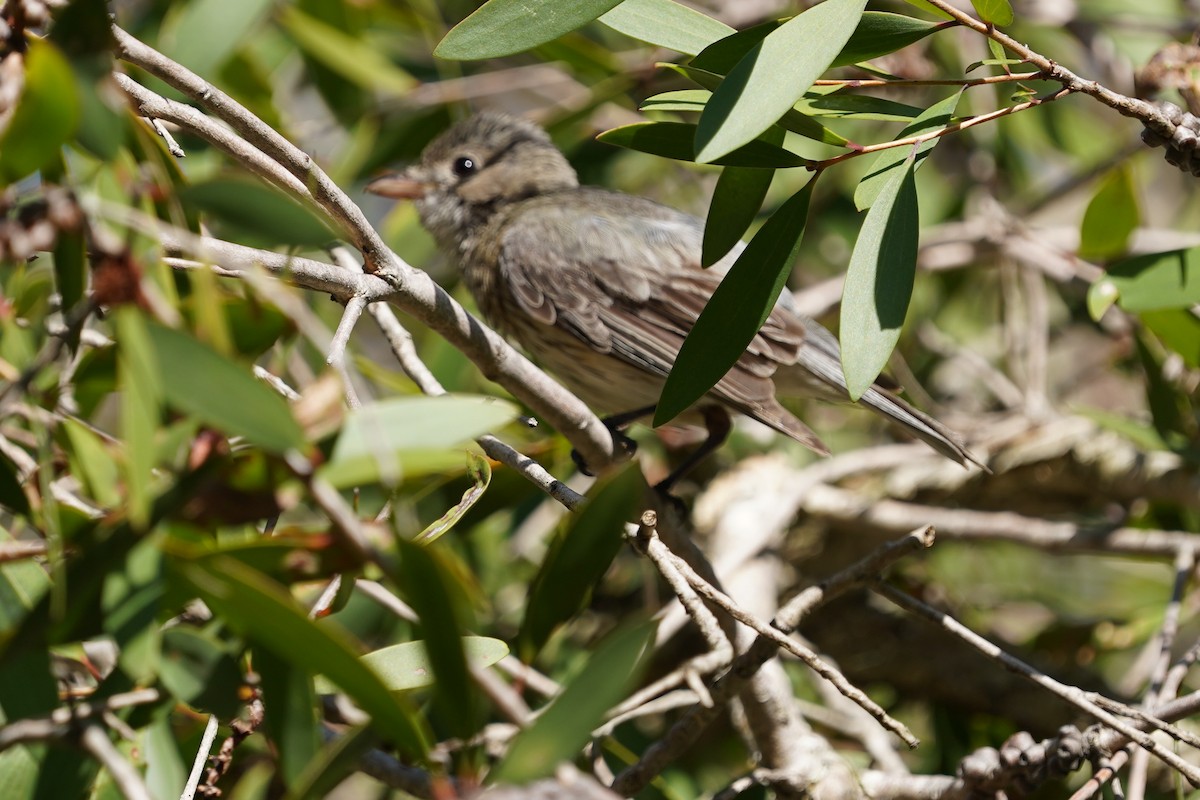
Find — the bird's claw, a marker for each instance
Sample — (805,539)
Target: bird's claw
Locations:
(624,449)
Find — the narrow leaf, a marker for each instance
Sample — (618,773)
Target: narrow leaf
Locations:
(503,27)
(738,195)
(406,666)
(676,140)
(480,471)
(737,309)
(431,590)
(345,54)
(879,281)
(934,118)
(47,114)
(879,33)
(563,728)
(773,76)
(221,393)
(261,609)
(1111,217)
(384,440)
(695,100)
(255,208)
(578,558)
(722,56)
(204,34)
(666,23)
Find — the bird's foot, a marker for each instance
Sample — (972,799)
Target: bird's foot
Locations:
(622,445)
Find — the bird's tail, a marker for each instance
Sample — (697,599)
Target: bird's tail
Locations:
(818,371)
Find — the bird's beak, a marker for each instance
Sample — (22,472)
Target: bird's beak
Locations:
(399,186)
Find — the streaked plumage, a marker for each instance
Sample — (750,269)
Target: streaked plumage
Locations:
(602,287)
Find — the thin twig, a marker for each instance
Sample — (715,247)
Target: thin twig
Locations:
(1073,695)
(206,743)
(124,775)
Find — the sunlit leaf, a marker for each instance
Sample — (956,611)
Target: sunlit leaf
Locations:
(262,610)
(677,140)
(384,440)
(997,12)
(204,34)
(344,54)
(503,27)
(879,281)
(480,471)
(1111,217)
(839,105)
(405,666)
(1152,281)
(773,75)
(666,23)
(738,308)
(934,118)
(562,728)
(1179,329)
(695,99)
(578,558)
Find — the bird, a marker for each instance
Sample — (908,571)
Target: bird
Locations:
(601,288)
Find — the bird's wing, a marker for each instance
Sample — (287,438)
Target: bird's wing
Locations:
(628,282)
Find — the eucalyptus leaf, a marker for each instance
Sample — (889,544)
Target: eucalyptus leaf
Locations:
(503,27)
(676,140)
(666,23)
(773,75)
(879,281)
(737,309)
(1111,217)
(403,667)
(934,118)
(563,728)
(736,199)
(578,557)
(879,33)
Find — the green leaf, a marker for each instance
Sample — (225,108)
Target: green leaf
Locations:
(879,33)
(345,54)
(199,670)
(1150,282)
(430,588)
(666,23)
(736,199)
(997,12)
(1169,407)
(130,601)
(70,267)
(1179,329)
(262,610)
(252,207)
(46,115)
(92,464)
(503,27)
(722,56)
(204,34)
(222,393)
(141,393)
(773,76)
(12,496)
(563,728)
(695,99)
(677,140)
(934,118)
(406,666)
(1111,217)
(856,106)
(737,309)
(292,726)
(480,470)
(384,440)
(879,281)
(578,558)
(332,765)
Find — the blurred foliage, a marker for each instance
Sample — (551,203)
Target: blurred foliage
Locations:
(142,454)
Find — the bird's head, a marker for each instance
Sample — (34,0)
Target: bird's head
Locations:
(473,170)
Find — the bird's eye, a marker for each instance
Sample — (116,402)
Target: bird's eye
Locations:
(464,166)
